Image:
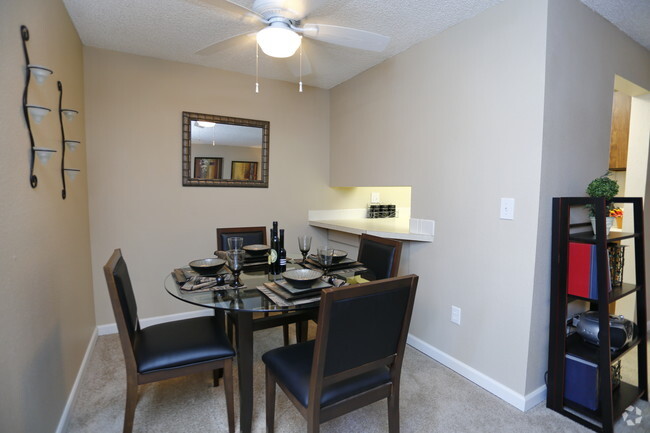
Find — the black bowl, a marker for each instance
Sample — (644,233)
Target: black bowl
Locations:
(302,278)
(209,266)
(338,256)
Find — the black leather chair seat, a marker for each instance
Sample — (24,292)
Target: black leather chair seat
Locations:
(292,367)
(191,341)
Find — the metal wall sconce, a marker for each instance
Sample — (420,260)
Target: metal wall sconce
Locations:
(40,72)
(71,144)
(37,112)
(69,114)
(44,154)
(72,173)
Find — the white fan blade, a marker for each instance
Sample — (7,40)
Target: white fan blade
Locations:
(232,42)
(346,36)
(242,12)
(299,9)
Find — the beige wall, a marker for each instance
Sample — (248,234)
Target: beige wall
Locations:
(459,118)
(584,53)
(46,314)
(137,202)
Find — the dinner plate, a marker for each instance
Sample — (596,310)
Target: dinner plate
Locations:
(256,249)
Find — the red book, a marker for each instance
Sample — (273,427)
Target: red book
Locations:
(579,273)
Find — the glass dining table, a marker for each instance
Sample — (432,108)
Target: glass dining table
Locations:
(242,304)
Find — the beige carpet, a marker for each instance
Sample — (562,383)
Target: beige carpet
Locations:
(433,399)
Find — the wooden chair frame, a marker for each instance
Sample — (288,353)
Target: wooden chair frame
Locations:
(134,378)
(390,242)
(314,413)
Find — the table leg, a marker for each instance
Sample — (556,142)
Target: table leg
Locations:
(301,331)
(245,369)
(220,317)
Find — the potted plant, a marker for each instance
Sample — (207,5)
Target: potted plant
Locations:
(617,213)
(607,188)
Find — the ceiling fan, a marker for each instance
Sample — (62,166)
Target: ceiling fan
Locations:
(282,28)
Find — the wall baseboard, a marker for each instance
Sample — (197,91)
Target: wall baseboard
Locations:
(521,402)
(111,328)
(63,421)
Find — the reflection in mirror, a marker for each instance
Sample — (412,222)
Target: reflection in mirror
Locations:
(225,151)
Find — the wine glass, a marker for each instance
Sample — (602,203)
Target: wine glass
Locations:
(325,256)
(235,243)
(235,263)
(304,243)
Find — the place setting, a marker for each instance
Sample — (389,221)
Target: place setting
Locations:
(211,273)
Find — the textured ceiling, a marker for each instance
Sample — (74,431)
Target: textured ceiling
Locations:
(630,16)
(177,29)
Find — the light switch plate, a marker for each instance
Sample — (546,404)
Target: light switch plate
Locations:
(507,208)
(455,315)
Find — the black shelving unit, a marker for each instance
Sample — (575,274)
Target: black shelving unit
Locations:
(612,400)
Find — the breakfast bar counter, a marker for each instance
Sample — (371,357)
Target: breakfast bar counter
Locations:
(392,228)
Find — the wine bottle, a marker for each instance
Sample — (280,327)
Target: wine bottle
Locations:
(274,262)
(283,253)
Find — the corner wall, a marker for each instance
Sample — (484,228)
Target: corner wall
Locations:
(584,52)
(46,314)
(459,119)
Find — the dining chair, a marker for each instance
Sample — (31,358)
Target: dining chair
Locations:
(380,255)
(251,235)
(166,350)
(356,358)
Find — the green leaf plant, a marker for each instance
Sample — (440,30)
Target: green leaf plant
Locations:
(603,186)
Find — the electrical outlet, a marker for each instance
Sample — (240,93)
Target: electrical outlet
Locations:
(507,208)
(455,314)
(374,197)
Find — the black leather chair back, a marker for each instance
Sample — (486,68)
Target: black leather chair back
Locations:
(365,329)
(251,235)
(380,255)
(126,297)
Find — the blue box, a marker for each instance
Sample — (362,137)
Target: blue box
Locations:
(581,382)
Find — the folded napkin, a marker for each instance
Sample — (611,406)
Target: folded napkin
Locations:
(357,279)
(203,284)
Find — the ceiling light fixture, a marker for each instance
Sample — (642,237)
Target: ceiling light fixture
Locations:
(204,124)
(278,39)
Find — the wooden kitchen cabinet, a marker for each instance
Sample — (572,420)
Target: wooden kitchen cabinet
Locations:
(620,134)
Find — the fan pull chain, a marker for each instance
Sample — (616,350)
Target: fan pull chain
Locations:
(257,67)
(300,84)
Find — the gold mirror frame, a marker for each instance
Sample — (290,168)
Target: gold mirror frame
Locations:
(187,163)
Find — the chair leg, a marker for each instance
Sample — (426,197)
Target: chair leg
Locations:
(270,401)
(216,375)
(313,425)
(285,334)
(228,389)
(393,411)
(231,329)
(131,402)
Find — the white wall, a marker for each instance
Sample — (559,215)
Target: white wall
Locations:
(46,314)
(459,119)
(137,202)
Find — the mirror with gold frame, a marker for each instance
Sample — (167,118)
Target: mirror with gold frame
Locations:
(225,151)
